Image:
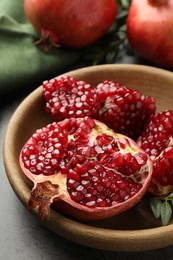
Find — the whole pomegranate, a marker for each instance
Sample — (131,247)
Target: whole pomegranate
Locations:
(84,170)
(150,30)
(71,23)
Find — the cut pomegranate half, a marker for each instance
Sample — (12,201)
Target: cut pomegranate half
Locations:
(84,170)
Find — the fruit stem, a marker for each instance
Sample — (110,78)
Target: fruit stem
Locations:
(158,2)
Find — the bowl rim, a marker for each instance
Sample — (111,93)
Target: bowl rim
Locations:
(96,237)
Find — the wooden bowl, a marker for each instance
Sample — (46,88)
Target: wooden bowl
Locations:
(134,230)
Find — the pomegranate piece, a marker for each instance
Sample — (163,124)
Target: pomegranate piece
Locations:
(97,174)
(157,142)
(45,149)
(123,109)
(71,23)
(149,28)
(110,102)
(67,97)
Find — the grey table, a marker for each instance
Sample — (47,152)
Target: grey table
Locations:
(23,237)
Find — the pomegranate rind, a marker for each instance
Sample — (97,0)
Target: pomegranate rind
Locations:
(63,203)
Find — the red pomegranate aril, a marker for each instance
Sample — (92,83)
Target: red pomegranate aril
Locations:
(73,183)
(117,160)
(101,202)
(77,196)
(74,175)
(113,188)
(83,185)
(104,139)
(123,143)
(81,189)
(98,187)
(121,185)
(89,197)
(95,179)
(106,183)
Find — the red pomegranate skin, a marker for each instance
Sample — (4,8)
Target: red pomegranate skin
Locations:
(71,23)
(150,31)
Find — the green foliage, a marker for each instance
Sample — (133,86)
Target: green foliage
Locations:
(107,49)
(162,207)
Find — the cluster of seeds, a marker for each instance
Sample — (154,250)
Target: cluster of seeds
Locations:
(93,185)
(66,97)
(158,134)
(162,181)
(157,142)
(44,150)
(123,108)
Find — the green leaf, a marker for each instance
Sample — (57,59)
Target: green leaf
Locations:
(156,205)
(170,195)
(106,49)
(124,3)
(111,56)
(122,14)
(166,213)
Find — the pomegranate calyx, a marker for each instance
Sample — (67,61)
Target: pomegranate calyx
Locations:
(42,197)
(158,3)
(46,41)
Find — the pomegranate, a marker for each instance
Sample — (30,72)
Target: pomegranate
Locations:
(83,169)
(157,141)
(110,102)
(150,30)
(122,107)
(67,97)
(71,23)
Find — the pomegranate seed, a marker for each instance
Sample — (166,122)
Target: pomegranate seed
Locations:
(101,202)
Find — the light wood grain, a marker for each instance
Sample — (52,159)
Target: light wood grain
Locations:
(134,230)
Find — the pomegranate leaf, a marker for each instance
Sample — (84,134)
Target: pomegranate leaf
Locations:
(113,42)
(123,3)
(166,213)
(156,205)
(162,207)
(170,196)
